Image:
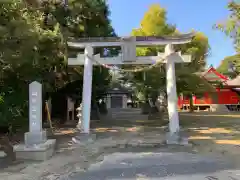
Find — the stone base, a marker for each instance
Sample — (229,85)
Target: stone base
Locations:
(84,138)
(3,160)
(176,139)
(31,138)
(2,154)
(38,152)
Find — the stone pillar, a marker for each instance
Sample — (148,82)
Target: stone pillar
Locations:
(36,146)
(174,136)
(108,101)
(171,92)
(84,111)
(35,135)
(87,88)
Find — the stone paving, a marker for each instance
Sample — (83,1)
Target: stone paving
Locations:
(158,166)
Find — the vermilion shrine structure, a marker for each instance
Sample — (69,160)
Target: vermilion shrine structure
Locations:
(226,95)
(128,56)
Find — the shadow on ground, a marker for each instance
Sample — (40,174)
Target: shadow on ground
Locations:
(157,165)
(209,132)
(213,132)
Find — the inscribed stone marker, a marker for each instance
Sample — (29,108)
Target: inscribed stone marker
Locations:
(35,107)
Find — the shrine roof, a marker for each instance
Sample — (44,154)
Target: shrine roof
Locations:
(233,82)
(118,89)
(211,74)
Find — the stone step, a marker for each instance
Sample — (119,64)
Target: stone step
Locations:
(127,115)
(132,114)
(135,114)
(130,119)
(125,110)
(165,116)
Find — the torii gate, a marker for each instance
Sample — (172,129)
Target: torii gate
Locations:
(128,56)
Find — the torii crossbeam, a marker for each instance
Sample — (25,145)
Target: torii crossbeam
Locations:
(128,56)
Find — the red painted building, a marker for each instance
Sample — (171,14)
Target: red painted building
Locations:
(225,95)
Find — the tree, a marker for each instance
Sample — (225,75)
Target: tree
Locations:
(90,19)
(199,49)
(225,64)
(28,53)
(231,27)
(33,47)
(154,23)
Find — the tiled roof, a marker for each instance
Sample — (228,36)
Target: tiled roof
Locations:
(212,75)
(234,82)
(118,89)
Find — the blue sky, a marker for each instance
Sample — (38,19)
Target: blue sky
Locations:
(200,15)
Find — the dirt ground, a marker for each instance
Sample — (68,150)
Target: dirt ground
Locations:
(209,132)
(216,133)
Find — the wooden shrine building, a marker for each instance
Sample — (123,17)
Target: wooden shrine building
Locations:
(117,97)
(226,92)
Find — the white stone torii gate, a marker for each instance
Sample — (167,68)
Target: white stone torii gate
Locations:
(128,56)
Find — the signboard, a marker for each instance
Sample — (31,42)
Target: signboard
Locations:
(35,106)
(129,49)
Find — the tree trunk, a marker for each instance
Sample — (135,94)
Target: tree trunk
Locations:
(191,107)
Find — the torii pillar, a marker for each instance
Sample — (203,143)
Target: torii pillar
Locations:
(84,134)
(87,89)
(173,136)
(171,90)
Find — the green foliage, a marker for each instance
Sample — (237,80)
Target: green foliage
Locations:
(154,23)
(224,66)
(199,49)
(20,60)
(33,47)
(192,83)
(231,26)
